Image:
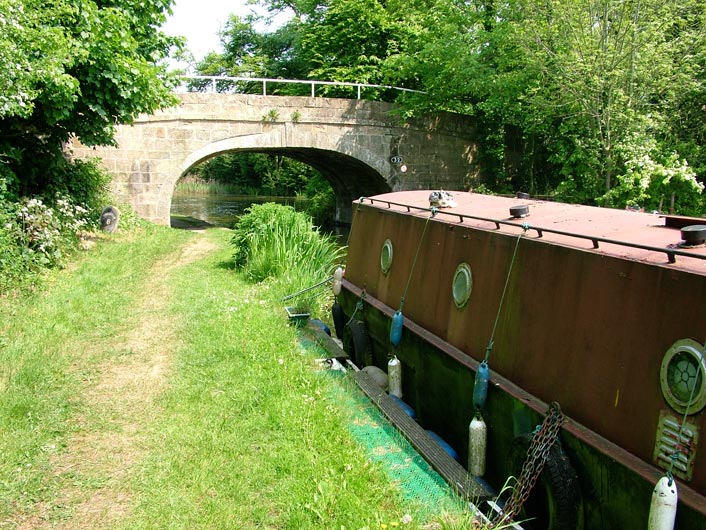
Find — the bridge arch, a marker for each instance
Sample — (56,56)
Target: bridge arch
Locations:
(349,176)
(357,145)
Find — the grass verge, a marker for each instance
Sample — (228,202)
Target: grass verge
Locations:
(150,386)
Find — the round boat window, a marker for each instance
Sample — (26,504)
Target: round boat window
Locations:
(462,285)
(683,376)
(386,256)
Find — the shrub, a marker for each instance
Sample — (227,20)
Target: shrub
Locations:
(35,235)
(276,243)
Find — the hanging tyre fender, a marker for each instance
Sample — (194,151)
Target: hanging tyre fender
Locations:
(339,319)
(362,352)
(555,502)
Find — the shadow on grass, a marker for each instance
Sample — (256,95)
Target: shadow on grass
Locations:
(183,222)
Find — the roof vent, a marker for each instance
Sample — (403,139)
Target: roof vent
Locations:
(693,235)
(522,195)
(518,212)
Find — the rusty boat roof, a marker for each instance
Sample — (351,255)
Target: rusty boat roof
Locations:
(638,236)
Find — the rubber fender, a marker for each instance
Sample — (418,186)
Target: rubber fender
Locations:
(362,352)
(408,410)
(480,387)
(378,375)
(555,502)
(339,319)
(396,328)
(110,216)
(444,445)
(323,326)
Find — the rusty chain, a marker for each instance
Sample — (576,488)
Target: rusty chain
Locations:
(542,442)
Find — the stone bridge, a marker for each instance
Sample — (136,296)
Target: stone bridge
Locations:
(361,147)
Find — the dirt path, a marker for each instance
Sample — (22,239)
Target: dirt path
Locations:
(120,398)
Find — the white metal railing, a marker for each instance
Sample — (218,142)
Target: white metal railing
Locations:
(214,80)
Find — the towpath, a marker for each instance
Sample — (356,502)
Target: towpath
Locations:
(119,399)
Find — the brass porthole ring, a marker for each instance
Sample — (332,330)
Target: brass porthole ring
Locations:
(683,376)
(386,256)
(462,285)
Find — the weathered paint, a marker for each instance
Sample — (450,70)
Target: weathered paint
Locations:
(578,326)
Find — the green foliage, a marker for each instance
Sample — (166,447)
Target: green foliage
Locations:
(35,235)
(652,180)
(271,117)
(38,233)
(276,242)
(349,40)
(74,68)
(247,52)
(257,173)
(85,181)
(322,204)
(557,88)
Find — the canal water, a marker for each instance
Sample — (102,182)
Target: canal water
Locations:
(220,210)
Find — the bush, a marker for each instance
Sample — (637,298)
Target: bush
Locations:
(36,234)
(87,185)
(277,243)
(322,204)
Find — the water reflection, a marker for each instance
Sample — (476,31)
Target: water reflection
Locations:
(221,210)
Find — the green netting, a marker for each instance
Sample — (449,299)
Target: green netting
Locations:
(417,481)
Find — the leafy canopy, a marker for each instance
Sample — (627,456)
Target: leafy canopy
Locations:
(75,68)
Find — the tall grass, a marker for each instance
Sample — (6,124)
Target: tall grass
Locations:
(276,243)
(197,186)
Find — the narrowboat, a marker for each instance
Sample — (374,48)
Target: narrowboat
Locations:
(505,309)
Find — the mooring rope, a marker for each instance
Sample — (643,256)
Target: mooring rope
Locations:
(358,307)
(434,211)
(675,454)
(307,289)
(525,227)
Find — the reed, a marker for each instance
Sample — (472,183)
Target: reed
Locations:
(197,186)
(277,244)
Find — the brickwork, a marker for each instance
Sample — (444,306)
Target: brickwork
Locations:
(351,142)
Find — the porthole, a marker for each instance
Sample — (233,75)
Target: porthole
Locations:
(683,376)
(386,256)
(462,285)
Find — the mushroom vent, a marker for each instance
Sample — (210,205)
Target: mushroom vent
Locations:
(522,195)
(693,235)
(521,211)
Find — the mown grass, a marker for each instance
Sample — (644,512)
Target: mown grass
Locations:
(50,343)
(250,437)
(246,434)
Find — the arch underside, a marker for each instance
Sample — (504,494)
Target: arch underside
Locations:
(349,177)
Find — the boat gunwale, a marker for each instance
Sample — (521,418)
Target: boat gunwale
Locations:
(687,495)
(670,252)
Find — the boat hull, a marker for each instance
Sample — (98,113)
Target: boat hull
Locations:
(582,328)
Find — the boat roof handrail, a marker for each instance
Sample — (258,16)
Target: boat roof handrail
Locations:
(670,252)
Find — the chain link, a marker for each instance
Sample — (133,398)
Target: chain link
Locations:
(542,442)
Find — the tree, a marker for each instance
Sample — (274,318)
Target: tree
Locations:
(561,88)
(565,93)
(75,68)
(611,65)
